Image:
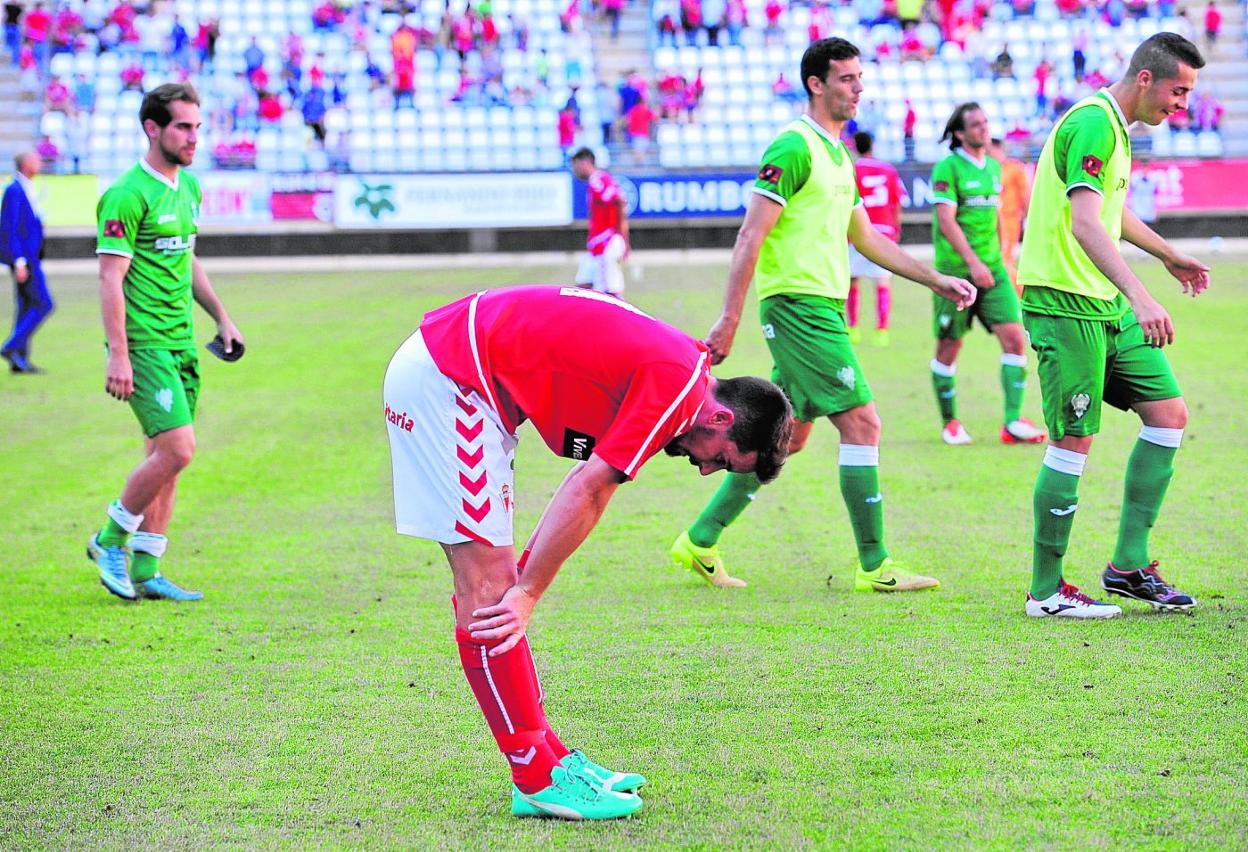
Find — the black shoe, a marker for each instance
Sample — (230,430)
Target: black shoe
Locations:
(18,363)
(1145,584)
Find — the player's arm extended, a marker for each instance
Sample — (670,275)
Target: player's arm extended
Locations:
(760,217)
(118,375)
(622,203)
(206,298)
(947,221)
(1085,225)
(880,250)
(573,512)
(1190,272)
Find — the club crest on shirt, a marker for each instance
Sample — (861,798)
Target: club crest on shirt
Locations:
(846,376)
(1079,404)
(114,228)
(941,186)
(770,173)
(1092,165)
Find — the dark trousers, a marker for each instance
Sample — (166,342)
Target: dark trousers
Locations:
(34,303)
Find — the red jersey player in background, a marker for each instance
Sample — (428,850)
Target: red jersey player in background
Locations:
(456,392)
(881,192)
(608,227)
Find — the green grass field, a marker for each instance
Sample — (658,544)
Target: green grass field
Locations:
(315,697)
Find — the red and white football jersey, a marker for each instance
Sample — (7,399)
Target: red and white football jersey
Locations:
(604,211)
(881,192)
(594,374)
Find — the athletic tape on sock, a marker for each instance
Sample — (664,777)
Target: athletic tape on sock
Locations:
(1065,461)
(1013,360)
(124,518)
(153,544)
(859,455)
(1171,438)
(946,370)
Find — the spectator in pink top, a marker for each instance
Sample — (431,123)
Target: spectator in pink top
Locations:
(36,26)
(613,9)
(691,19)
(907,130)
(1213,23)
(773,33)
(57,97)
(736,18)
(1043,71)
(639,121)
(567,126)
(132,76)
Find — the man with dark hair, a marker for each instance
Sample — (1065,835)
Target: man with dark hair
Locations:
(881,191)
(793,243)
(149,274)
(608,227)
(966,226)
(455,394)
(1097,330)
(21,248)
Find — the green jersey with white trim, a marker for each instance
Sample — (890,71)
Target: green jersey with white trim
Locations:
(975,190)
(152,221)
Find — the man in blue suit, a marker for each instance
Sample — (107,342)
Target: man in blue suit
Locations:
(21,248)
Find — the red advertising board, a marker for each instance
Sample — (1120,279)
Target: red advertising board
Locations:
(305,196)
(1200,184)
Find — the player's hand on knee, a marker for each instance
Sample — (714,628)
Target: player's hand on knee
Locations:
(506,620)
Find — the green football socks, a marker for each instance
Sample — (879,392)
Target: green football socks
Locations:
(860,487)
(729,501)
(944,384)
(1013,383)
(1148,475)
(121,523)
(146,548)
(1055,501)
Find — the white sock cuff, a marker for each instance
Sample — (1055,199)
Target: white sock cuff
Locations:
(123,517)
(859,455)
(946,370)
(1065,461)
(1013,360)
(1171,438)
(153,544)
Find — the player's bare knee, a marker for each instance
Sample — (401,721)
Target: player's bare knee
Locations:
(1164,414)
(1075,443)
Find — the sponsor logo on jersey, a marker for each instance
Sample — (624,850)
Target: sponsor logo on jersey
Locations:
(176,243)
(507,501)
(166,218)
(1092,165)
(114,228)
(1079,404)
(770,173)
(399,418)
(577,445)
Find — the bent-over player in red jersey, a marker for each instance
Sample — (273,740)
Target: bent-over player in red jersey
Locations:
(456,392)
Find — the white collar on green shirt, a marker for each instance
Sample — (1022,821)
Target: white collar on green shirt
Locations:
(818,128)
(147,167)
(979,164)
(1117,109)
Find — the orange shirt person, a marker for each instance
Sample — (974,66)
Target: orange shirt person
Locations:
(1015,196)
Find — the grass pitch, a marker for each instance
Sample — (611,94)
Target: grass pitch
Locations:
(315,697)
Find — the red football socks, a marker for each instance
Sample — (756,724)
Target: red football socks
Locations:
(507,689)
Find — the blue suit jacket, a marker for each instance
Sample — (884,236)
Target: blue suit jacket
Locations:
(21,231)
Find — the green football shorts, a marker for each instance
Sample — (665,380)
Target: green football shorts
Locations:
(1082,362)
(996,305)
(813,360)
(166,388)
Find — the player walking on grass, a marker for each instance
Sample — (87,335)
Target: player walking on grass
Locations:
(793,243)
(456,392)
(1098,332)
(148,275)
(608,227)
(881,192)
(966,220)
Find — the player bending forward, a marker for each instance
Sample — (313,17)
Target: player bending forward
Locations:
(456,392)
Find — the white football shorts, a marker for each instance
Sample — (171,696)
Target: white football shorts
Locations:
(603,271)
(452,458)
(860,267)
